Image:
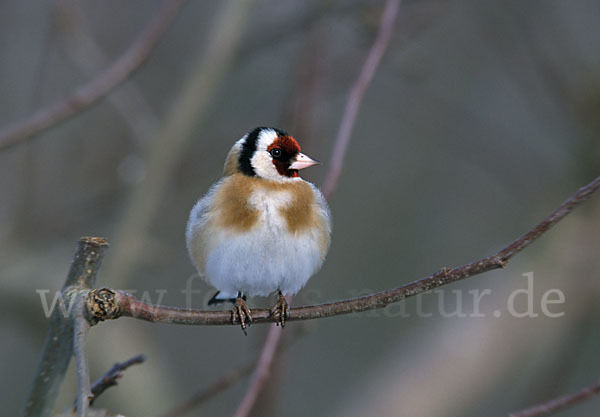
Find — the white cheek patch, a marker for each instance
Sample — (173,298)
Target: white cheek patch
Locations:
(263,165)
(261,160)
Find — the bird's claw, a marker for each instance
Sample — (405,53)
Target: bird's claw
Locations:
(241,313)
(281,311)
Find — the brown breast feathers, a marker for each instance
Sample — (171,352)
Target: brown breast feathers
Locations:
(236,213)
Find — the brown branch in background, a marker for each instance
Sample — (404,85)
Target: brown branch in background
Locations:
(58,347)
(220,385)
(228,379)
(388,17)
(560,402)
(87,54)
(111,378)
(88,94)
(261,372)
(167,147)
(356,95)
(112,304)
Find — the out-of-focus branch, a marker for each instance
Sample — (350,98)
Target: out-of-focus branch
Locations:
(58,347)
(342,139)
(261,372)
(263,367)
(111,304)
(213,389)
(111,378)
(81,331)
(90,93)
(229,378)
(559,403)
(170,142)
(82,48)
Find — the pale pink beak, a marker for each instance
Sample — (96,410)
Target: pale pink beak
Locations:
(302,161)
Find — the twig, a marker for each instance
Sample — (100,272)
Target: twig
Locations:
(388,17)
(261,372)
(97,88)
(58,347)
(81,331)
(215,388)
(111,378)
(83,49)
(559,403)
(163,157)
(229,379)
(356,95)
(111,304)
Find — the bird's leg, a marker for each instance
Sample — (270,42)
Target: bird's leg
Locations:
(281,311)
(241,313)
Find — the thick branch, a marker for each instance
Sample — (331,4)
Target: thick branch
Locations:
(88,94)
(559,403)
(111,304)
(81,331)
(58,347)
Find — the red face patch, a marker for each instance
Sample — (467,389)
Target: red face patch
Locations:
(287,144)
(289,148)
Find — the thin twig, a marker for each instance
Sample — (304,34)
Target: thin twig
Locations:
(81,331)
(58,347)
(111,378)
(261,372)
(111,304)
(88,94)
(342,139)
(388,17)
(83,49)
(213,389)
(228,379)
(560,402)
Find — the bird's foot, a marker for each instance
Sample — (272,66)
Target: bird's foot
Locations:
(281,311)
(241,313)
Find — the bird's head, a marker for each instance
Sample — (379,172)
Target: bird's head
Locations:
(267,153)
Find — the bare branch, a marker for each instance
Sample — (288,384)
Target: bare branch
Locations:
(388,18)
(111,378)
(228,379)
(84,51)
(213,389)
(261,372)
(560,402)
(163,156)
(58,347)
(342,139)
(107,304)
(88,94)
(81,331)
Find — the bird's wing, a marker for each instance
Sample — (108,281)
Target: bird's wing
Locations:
(196,230)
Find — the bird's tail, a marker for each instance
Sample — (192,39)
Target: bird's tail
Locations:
(222,297)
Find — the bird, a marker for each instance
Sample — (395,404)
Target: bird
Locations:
(261,228)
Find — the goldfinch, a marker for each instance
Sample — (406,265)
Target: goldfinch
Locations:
(260,229)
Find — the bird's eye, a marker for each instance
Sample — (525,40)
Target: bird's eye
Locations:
(276,153)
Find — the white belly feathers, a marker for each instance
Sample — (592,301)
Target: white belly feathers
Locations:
(261,260)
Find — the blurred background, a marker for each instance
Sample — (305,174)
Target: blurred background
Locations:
(482,118)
